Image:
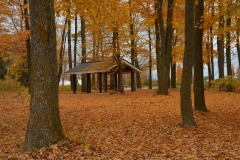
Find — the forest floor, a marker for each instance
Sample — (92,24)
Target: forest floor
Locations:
(135,125)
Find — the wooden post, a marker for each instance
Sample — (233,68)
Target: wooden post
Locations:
(74,83)
(105,82)
(88,83)
(116,81)
(132,81)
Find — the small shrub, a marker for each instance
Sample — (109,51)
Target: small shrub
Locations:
(11,85)
(226,84)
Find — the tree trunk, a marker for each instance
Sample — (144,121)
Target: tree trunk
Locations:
(188,61)
(70,53)
(199,98)
(28,45)
(169,31)
(84,58)
(61,53)
(150,58)
(209,63)
(238,48)
(138,77)
(220,46)
(228,45)
(116,52)
(133,49)
(158,55)
(163,81)
(75,81)
(173,74)
(44,126)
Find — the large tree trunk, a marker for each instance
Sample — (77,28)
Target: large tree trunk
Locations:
(44,126)
(28,45)
(199,99)
(188,61)
(84,51)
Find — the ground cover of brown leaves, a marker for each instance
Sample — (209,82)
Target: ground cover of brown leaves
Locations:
(131,126)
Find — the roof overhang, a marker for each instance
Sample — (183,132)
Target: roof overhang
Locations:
(100,67)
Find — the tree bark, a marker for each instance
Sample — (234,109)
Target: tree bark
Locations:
(163,81)
(150,58)
(70,53)
(228,45)
(44,126)
(220,46)
(61,54)
(169,33)
(199,98)
(84,52)
(158,54)
(75,81)
(133,49)
(138,77)
(188,61)
(238,48)
(173,74)
(28,45)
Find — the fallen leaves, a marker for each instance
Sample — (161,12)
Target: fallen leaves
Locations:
(132,126)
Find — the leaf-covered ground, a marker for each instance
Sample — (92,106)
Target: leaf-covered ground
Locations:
(131,126)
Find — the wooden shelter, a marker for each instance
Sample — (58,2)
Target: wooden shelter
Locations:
(103,68)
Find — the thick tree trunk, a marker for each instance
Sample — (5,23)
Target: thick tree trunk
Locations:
(84,58)
(44,126)
(188,61)
(199,98)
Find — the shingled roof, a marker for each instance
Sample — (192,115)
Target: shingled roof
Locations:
(103,66)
